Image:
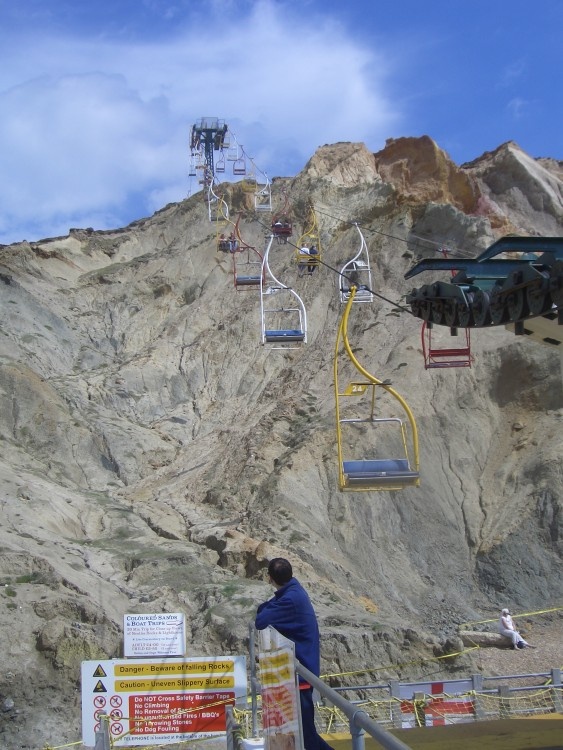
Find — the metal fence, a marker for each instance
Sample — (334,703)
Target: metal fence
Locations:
(377,708)
(359,720)
(476,698)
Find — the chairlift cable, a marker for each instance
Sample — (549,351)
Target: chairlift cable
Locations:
(396,305)
(454,252)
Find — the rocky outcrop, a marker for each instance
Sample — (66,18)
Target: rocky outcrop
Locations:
(155,456)
(528,190)
(483,639)
(422,172)
(343,165)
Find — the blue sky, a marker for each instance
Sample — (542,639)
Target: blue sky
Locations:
(98,97)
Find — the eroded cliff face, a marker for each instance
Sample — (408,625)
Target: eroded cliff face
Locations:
(527,190)
(155,455)
(422,172)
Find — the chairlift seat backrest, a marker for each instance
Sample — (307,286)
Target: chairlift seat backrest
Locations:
(239,167)
(282,228)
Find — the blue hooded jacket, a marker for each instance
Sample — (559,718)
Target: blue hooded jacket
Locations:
(291,613)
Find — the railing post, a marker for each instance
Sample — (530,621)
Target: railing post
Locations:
(229,727)
(355,716)
(478,710)
(396,713)
(504,702)
(557,690)
(419,703)
(102,736)
(253,679)
(358,734)
(233,730)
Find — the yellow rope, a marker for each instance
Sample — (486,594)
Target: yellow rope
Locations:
(523,614)
(399,666)
(178,712)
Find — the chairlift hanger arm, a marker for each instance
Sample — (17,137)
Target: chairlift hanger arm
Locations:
(469,269)
(294,333)
(524,245)
(437,264)
(372,379)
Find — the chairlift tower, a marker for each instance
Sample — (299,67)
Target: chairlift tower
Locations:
(208,135)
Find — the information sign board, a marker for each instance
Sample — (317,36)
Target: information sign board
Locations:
(160,634)
(159,701)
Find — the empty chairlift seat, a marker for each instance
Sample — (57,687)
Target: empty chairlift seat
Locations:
(357,273)
(363,424)
(384,473)
(263,198)
(290,334)
(282,312)
(247,280)
(239,166)
(440,356)
(247,268)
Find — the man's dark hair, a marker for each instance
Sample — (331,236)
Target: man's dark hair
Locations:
(280,570)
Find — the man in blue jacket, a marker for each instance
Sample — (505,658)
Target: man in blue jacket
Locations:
(291,613)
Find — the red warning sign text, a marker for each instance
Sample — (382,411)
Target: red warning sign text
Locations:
(179,712)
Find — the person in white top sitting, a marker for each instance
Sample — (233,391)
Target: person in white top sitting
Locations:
(507,628)
(312,264)
(303,252)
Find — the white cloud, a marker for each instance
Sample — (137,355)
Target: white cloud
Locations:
(517,107)
(512,73)
(95,128)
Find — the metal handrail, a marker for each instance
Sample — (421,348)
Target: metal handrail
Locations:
(517,676)
(359,720)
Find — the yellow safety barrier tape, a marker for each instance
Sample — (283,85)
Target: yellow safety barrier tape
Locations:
(522,614)
(178,712)
(402,664)
(164,716)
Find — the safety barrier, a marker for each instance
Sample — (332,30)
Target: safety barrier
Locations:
(359,720)
(394,705)
(455,701)
(397,705)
